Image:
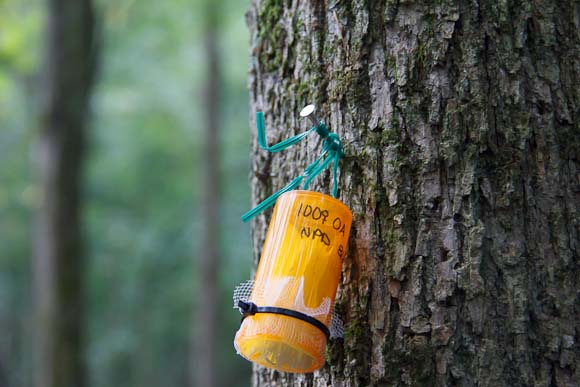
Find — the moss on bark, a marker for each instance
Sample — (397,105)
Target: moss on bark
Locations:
(460,124)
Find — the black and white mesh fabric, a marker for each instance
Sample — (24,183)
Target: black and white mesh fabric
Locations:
(246,293)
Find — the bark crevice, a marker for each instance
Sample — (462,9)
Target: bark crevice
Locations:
(460,122)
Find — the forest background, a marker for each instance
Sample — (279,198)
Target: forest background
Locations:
(141,188)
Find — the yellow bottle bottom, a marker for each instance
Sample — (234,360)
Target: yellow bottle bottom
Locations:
(282,343)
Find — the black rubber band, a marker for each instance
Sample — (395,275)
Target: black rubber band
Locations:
(250,309)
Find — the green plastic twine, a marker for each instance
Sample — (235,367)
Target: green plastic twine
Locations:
(331,153)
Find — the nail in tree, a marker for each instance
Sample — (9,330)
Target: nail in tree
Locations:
(460,126)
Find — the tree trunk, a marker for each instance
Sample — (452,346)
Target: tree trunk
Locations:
(3,377)
(461,127)
(58,263)
(205,356)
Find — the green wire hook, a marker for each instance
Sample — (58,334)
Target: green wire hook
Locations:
(332,151)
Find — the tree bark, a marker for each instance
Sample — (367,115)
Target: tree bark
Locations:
(205,366)
(58,263)
(461,126)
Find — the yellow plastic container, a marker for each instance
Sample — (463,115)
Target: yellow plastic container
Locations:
(299,270)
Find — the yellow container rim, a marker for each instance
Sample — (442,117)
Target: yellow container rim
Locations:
(302,192)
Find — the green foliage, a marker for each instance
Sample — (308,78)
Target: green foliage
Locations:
(19,44)
(20,23)
(142,188)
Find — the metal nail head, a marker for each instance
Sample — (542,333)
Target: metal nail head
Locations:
(308,111)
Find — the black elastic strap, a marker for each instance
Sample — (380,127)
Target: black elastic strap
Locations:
(250,309)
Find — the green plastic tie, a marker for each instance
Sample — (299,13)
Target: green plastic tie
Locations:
(331,153)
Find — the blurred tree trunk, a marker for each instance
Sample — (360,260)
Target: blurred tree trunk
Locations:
(205,355)
(58,263)
(3,377)
(460,121)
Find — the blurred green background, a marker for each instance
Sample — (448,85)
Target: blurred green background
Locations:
(142,188)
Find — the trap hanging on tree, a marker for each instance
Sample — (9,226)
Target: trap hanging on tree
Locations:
(288,309)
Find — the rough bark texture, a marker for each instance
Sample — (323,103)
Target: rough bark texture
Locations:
(460,121)
(58,261)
